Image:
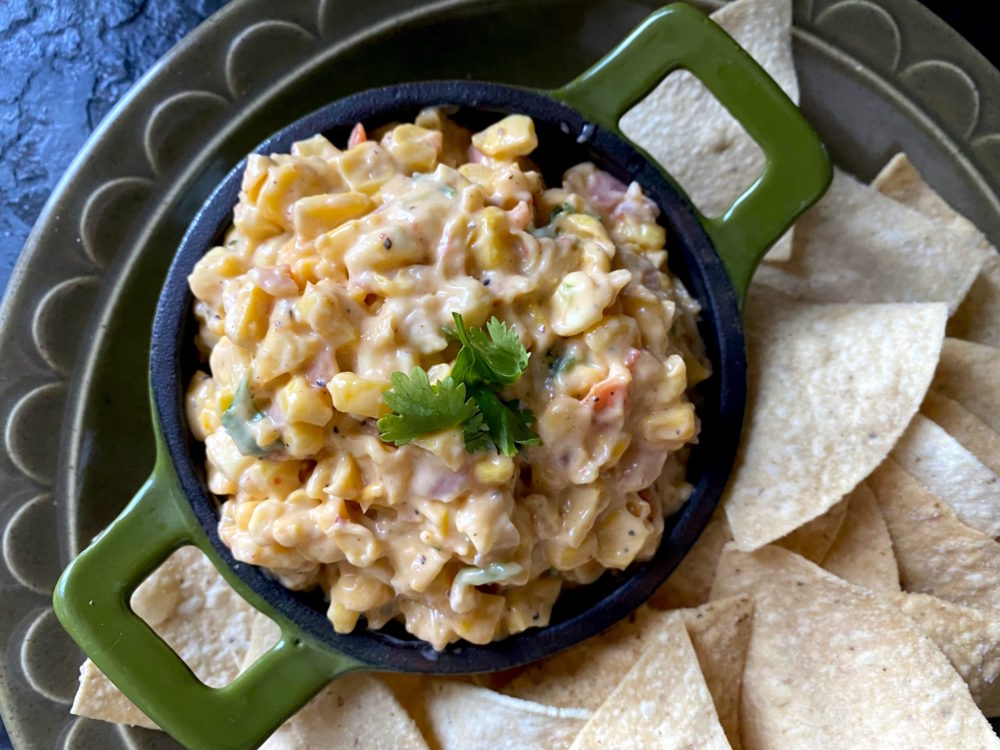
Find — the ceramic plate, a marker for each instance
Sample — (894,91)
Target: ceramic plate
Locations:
(74,326)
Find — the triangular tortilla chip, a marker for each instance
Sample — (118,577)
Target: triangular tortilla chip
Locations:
(978,317)
(969,638)
(720,634)
(462,716)
(965,427)
(684,127)
(937,553)
(813,539)
(690,584)
(188,604)
(901,181)
(856,245)
(663,701)
(969,373)
(98,698)
(263,634)
(832,665)
(357,710)
(862,553)
(946,468)
(585,674)
(832,387)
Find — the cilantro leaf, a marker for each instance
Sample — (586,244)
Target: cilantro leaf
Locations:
(239,417)
(476,434)
(509,426)
(498,359)
(420,408)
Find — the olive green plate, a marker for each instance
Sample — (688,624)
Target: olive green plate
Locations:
(74,325)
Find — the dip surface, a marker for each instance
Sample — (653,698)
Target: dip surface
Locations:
(343,267)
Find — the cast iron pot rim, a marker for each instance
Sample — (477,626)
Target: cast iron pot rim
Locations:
(382,650)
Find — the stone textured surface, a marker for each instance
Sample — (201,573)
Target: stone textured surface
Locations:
(65,65)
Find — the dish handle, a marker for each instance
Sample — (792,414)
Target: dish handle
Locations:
(797,170)
(91,601)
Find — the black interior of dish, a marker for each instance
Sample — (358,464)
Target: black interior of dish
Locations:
(565,139)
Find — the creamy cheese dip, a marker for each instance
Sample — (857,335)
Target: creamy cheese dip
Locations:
(343,267)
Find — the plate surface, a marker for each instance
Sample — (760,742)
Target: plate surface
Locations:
(876,77)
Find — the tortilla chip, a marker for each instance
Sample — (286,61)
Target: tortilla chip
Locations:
(813,540)
(965,427)
(978,317)
(831,665)
(188,604)
(583,676)
(351,712)
(968,373)
(901,181)
(690,584)
(357,710)
(462,716)
(264,633)
(969,638)
(720,634)
(832,387)
(684,127)
(862,553)
(946,468)
(937,553)
(98,698)
(856,245)
(662,702)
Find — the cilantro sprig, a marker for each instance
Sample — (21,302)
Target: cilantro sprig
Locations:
(469,397)
(420,407)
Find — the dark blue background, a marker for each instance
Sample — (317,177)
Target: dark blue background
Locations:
(62,68)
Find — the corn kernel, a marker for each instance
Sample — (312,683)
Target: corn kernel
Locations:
(265,514)
(247,322)
(477,173)
(372,493)
(316,214)
(253,222)
(357,396)
(289,530)
(617,330)
(303,402)
(244,510)
(414,148)
(513,136)
(495,469)
(366,167)
(696,371)
(647,235)
(285,184)
(271,479)
(343,619)
(254,176)
(281,352)
(492,241)
(315,146)
(345,479)
(219,262)
(303,440)
(675,424)
(333,245)
(361,592)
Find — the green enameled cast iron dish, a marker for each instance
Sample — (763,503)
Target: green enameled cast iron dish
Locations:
(714,257)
